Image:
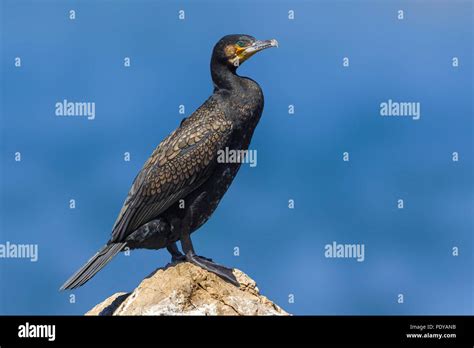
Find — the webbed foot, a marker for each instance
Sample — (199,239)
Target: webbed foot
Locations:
(207,264)
(205,258)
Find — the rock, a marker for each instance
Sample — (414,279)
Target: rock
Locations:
(185,289)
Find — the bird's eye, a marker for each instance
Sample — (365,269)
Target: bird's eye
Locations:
(240,43)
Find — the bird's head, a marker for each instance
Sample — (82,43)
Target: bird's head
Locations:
(233,50)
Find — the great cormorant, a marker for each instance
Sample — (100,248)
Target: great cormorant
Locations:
(184,168)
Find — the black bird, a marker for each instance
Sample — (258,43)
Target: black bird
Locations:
(181,184)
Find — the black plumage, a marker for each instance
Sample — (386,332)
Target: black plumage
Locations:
(181,184)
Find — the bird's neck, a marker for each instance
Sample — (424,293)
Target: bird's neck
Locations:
(225,77)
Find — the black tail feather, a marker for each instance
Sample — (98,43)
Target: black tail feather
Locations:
(94,265)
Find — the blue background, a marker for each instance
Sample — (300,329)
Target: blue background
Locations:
(407,251)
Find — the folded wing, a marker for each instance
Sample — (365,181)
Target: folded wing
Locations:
(180,164)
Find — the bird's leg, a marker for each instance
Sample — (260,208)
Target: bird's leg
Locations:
(223,272)
(176,255)
(189,217)
(188,249)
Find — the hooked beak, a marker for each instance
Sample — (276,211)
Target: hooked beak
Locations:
(260,45)
(247,52)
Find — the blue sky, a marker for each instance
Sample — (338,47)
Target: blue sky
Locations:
(337,109)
